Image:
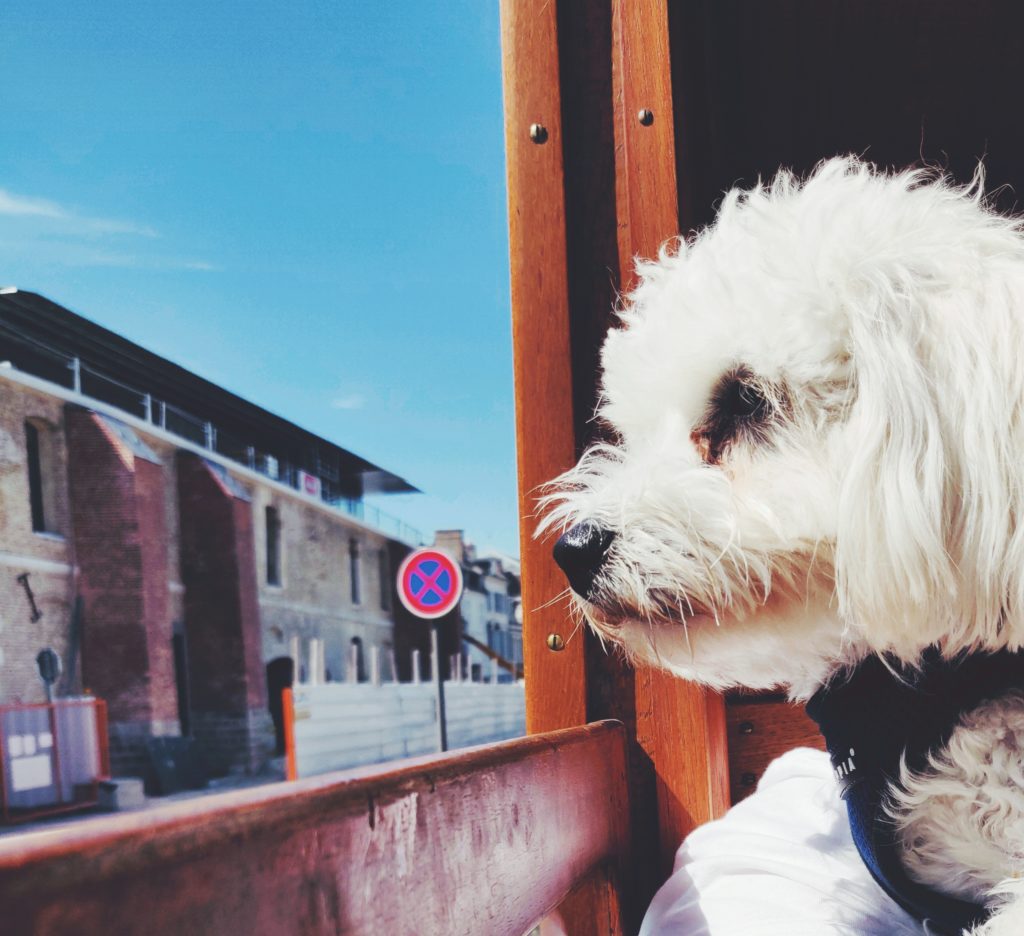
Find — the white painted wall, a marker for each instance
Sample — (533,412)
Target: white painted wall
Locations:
(341,725)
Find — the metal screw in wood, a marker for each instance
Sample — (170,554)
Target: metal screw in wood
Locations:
(538,133)
(555,642)
(646,117)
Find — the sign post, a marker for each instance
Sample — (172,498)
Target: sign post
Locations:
(429,586)
(442,720)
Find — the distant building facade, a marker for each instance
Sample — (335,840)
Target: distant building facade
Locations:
(490,607)
(183,550)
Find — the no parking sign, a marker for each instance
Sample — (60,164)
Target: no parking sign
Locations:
(429,583)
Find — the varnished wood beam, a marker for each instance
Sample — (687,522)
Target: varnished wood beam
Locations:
(478,841)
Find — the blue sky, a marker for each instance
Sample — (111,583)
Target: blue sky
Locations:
(302,201)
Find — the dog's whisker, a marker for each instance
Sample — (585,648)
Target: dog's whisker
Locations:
(575,630)
(686,631)
(566,593)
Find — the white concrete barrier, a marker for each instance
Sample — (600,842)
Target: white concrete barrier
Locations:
(340,725)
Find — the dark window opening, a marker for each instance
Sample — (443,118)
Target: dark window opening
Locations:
(35,479)
(356,659)
(273,547)
(353,569)
(385,581)
(181,681)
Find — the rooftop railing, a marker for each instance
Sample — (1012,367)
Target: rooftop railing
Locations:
(39,360)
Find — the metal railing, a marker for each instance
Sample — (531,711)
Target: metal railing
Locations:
(72,373)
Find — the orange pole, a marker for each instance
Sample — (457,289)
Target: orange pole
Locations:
(288,707)
(103,734)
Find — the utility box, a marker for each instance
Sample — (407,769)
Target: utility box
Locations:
(52,757)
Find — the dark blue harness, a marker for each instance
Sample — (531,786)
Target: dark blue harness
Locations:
(876,715)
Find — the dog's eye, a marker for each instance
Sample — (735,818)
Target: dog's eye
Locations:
(742,402)
(738,407)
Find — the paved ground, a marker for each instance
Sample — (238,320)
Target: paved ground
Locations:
(218,785)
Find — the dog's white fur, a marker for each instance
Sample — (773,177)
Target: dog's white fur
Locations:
(870,504)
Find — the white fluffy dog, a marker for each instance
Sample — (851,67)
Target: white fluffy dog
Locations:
(817,458)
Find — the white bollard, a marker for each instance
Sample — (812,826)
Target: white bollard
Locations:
(416,666)
(392,664)
(494,670)
(293,652)
(317,672)
(353,664)
(375,665)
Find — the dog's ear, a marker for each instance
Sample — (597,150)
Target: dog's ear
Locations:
(930,539)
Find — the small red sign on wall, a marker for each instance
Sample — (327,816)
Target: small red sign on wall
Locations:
(309,484)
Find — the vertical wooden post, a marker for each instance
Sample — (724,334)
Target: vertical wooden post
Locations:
(587,192)
(680,726)
(541,336)
(547,408)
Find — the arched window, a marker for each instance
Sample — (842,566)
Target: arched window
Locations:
(356,659)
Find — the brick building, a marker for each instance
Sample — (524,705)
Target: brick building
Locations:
(182,549)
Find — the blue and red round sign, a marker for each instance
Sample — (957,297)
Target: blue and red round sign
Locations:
(429,583)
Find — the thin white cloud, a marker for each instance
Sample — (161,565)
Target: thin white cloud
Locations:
(11,204)
(352,401)
(67,252)
(27,206)
(45,231)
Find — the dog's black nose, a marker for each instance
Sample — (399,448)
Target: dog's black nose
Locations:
(581,551)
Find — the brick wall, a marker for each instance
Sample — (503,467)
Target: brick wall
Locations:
(222,625)
(125,526)
(314,598)
(47,558)
(120,538)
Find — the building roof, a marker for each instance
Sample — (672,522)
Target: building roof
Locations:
(41,337)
